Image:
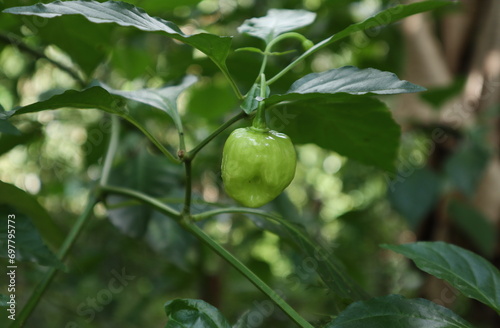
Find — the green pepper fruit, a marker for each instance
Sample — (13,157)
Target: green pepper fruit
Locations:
(257,165)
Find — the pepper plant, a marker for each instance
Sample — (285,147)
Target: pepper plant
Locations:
(335,109)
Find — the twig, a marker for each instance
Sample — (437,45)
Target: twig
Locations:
(17,42)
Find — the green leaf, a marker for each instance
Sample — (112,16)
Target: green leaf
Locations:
(99,98)
(395,311)
(87,49)
(358,127)
(415,195)
(253,98)
(164,99)
(28,243)
(189,313)
(471,274)
(8,128)
(162,5)
(111,101)
(348,79)
(384,17)
(479,229)
(31,132)
(94,97)
(466,166)
(97,141)
(276,22)
(132,59)
(222,98)
(143,172)
(25,203)
(125,14)
(169,240)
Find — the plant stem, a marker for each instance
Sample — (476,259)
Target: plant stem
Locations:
(299,59)
(192,153)
(112,147)
(259,122)
(269,46)
(187,198)
(207,240)
(208,214)
(76,229)
(158,144)
(228,76)
(254,279)
(165,209)
(182,142)
(17,42)
(264,62)
(63,252)
(172,200)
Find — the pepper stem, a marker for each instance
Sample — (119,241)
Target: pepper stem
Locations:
(259,122)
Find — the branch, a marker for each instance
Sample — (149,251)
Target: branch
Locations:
(221,251)
(189,186)
(208,214)
(63,252)
(15,41)
(247,273)
(163,208)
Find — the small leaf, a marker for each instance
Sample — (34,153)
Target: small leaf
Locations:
(346,79)
(471,274)
(25,203)
(125,14)
(164,99)
(396,311)
(28,243)
(253,98)
(479,229)
(358,127)
(415,195)
(189,313)
(276,22)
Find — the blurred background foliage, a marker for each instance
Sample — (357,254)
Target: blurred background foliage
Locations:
(351,207)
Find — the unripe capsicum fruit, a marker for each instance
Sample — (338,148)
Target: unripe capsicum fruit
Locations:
(257,165)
